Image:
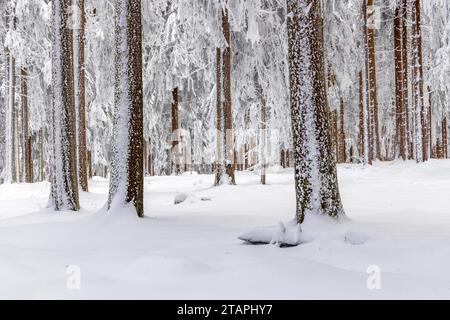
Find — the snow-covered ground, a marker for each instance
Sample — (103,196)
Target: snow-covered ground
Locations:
(399,225)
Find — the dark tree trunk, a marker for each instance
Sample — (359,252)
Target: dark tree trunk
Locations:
(263,140)
(342,144)
(225,124)
(372,88)
(175,134)
(406,107)
(41,155)
(430,123)
(64,191)
(316,182)
(444,138)
(12,103)
(28,164)
(420,79)
(399,82)
(361,131)
(80,92)
(369,135)
(127,172)
(89,161)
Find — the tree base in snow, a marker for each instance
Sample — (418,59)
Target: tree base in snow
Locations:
(283,235)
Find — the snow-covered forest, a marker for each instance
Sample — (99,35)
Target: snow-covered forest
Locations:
(190,148)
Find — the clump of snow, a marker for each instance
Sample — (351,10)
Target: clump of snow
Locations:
(355,238)
(292,234)
(283,235)
(180,198)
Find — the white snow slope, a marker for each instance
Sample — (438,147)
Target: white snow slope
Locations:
(399,225)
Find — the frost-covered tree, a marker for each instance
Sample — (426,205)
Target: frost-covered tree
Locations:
(64,190)
(316,182)
(79,31)
(127,172)
(10,174)
(224,113)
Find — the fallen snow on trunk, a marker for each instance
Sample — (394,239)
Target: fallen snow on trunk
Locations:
(399,224)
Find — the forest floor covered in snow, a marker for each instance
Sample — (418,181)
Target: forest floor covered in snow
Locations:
(399,223)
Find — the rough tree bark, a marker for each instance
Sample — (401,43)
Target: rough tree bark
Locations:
(406,105)
(361,116)
(420,79)
(10,137)
(372,75)
(342,143)
(64,190)
(430,123)
(263,141)
(28,162)
(399,82)
(127,171)
(80,91)
(316,182)
(175,133)
(89,160)
(368,134)
(418,89)
(444,131)
(225,170)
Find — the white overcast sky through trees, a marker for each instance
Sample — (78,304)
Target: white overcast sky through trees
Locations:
(150,145)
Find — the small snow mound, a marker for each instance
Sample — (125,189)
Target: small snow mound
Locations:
(284,235)
(180,198)
(355,238)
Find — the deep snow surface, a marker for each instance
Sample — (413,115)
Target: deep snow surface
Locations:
(399,223)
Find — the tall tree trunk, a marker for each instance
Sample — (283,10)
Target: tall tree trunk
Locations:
(263,145)
(420,80)
(41,154)
(372,88)
(342,144)
(430,123)
(175,134)
(16,144)
(127,172)
(10,136)
(419,109)
(219,167)
(361,122)
(288,158)
(399,97)
(64,191)
(406,120)
(444,130)
(28,163)
(89,160)
(80,91)
(316,182)
(368,135)
(225,171)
